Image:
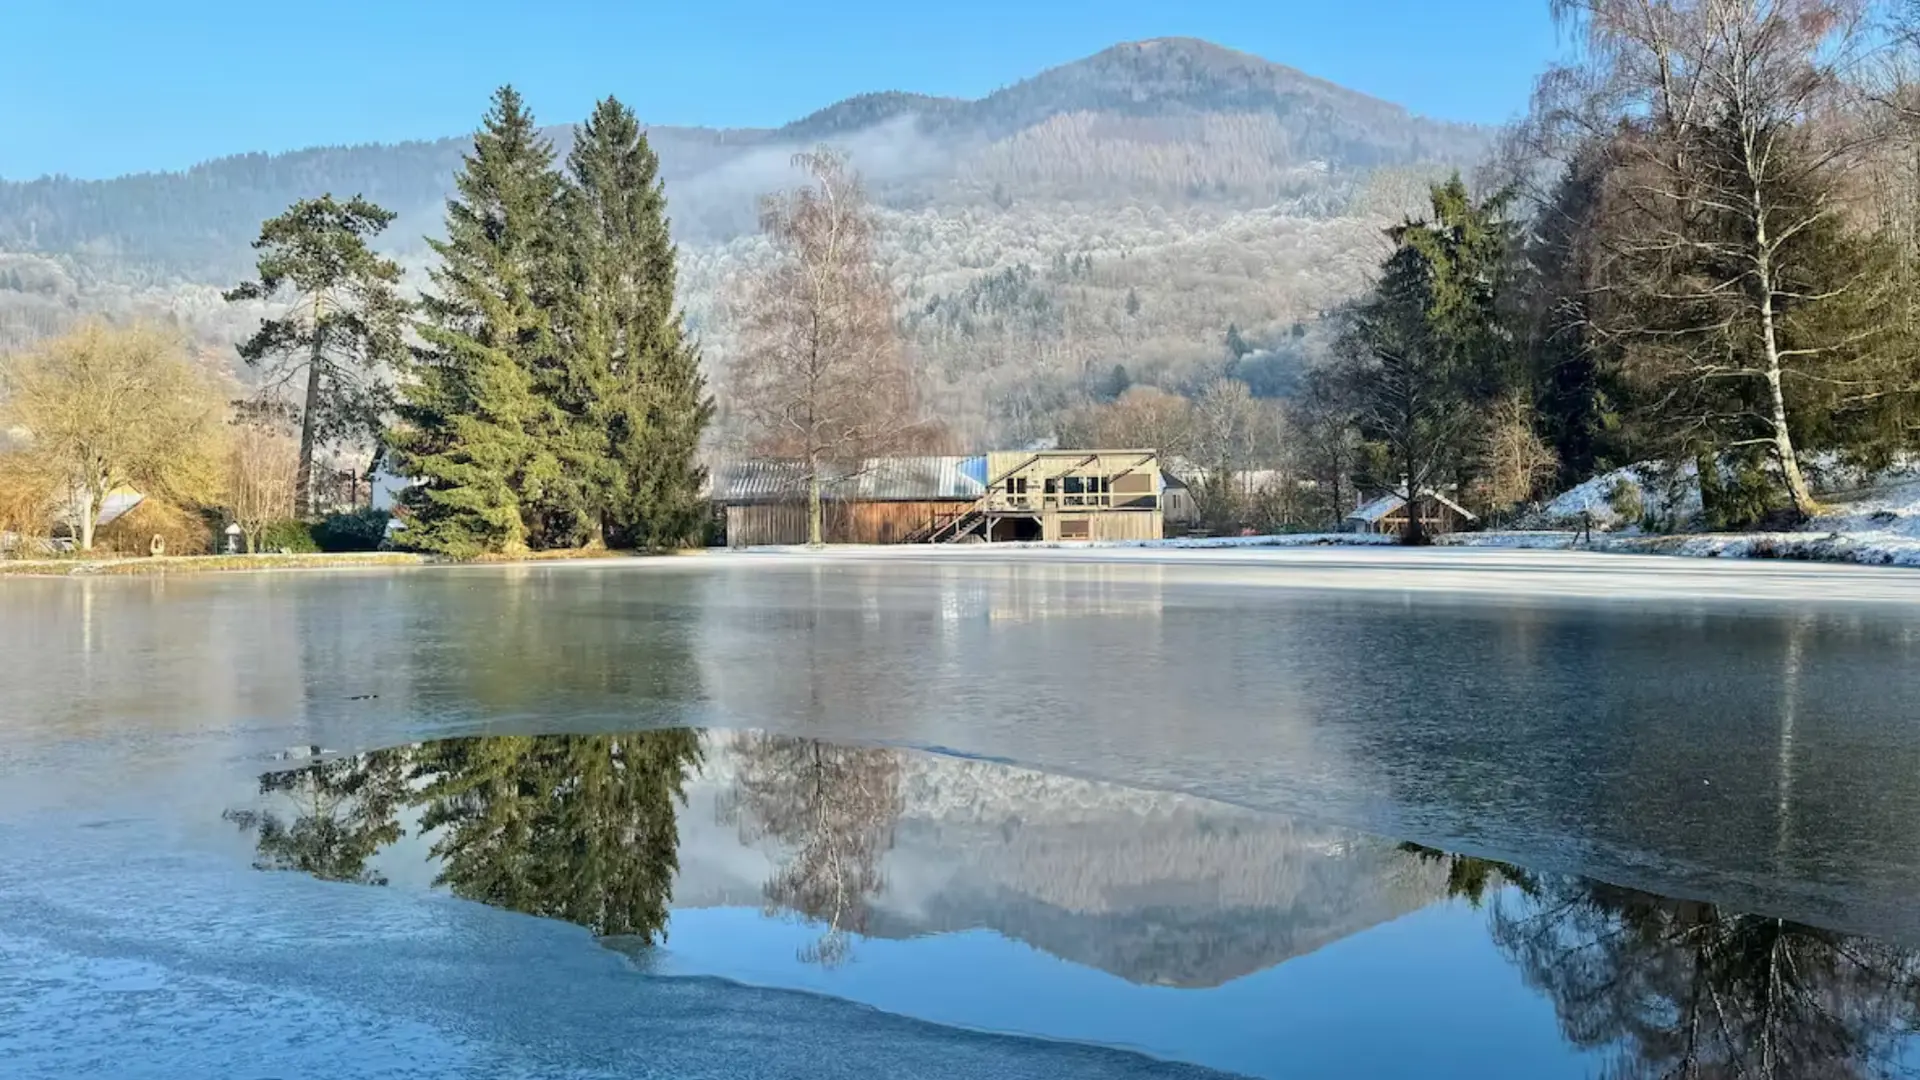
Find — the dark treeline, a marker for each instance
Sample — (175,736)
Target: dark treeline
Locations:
(1698,251)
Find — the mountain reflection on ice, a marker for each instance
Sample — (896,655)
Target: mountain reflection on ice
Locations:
(866,846)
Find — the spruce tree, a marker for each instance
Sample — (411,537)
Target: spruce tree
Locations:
(474,429)
(631,385)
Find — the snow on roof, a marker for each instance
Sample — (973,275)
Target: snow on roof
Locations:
(1372,512)
(929,478)
(117,503)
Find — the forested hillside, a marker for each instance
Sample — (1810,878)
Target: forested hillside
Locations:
(1124,210)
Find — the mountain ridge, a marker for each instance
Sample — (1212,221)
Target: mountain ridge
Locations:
(1153,93)
(1122,210)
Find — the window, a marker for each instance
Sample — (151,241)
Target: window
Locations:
(1076,529)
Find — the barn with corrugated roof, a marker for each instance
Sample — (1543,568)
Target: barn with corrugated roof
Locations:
(892,500)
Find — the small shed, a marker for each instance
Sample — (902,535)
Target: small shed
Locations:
(1387,515)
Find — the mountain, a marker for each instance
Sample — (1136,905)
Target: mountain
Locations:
(1216,187)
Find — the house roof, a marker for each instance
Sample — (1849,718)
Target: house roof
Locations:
(890,479)
(117,503)
(1379,508)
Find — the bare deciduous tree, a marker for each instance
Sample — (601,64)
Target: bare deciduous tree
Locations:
(26,499)
(833,808)
(820,374)
(1515,462)
(105,408)
(1144,416)
(263,480)
(1230,432)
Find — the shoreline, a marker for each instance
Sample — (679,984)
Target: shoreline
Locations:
(1463,551)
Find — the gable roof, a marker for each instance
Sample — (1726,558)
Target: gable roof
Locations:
(118,502)
(1372,512)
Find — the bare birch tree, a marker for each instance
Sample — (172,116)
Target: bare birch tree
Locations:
(1230,430)
(833,809)
(820,374)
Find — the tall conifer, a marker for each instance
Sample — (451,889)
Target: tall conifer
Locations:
(474,429)
(631,378)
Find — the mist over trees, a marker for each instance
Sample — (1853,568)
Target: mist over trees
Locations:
(1212,187)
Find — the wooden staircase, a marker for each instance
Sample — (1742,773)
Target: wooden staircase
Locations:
(952,528)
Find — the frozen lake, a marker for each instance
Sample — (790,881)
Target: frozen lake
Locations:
(1164,804)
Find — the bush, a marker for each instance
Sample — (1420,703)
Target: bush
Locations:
(1738,501)
(291,536)
(356,530)
(1627,501)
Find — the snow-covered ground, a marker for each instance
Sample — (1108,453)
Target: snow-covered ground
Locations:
(1674,495)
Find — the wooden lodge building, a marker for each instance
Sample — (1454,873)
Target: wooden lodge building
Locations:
(998,497)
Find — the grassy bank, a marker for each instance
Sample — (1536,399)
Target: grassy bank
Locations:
(75,566)
(199,564)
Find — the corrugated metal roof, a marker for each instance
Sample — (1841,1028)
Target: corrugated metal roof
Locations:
(914,478)
(891,479)
(751,480)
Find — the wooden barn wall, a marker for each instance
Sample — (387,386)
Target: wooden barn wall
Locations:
(892,522)
(1111,525)
(765,524)
(1129,525)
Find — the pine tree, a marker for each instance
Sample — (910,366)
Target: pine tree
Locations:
(345,328)
(632,379)
(474,429)
(1426,354)
(1577,385)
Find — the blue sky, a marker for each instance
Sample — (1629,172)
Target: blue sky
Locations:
(101,87)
